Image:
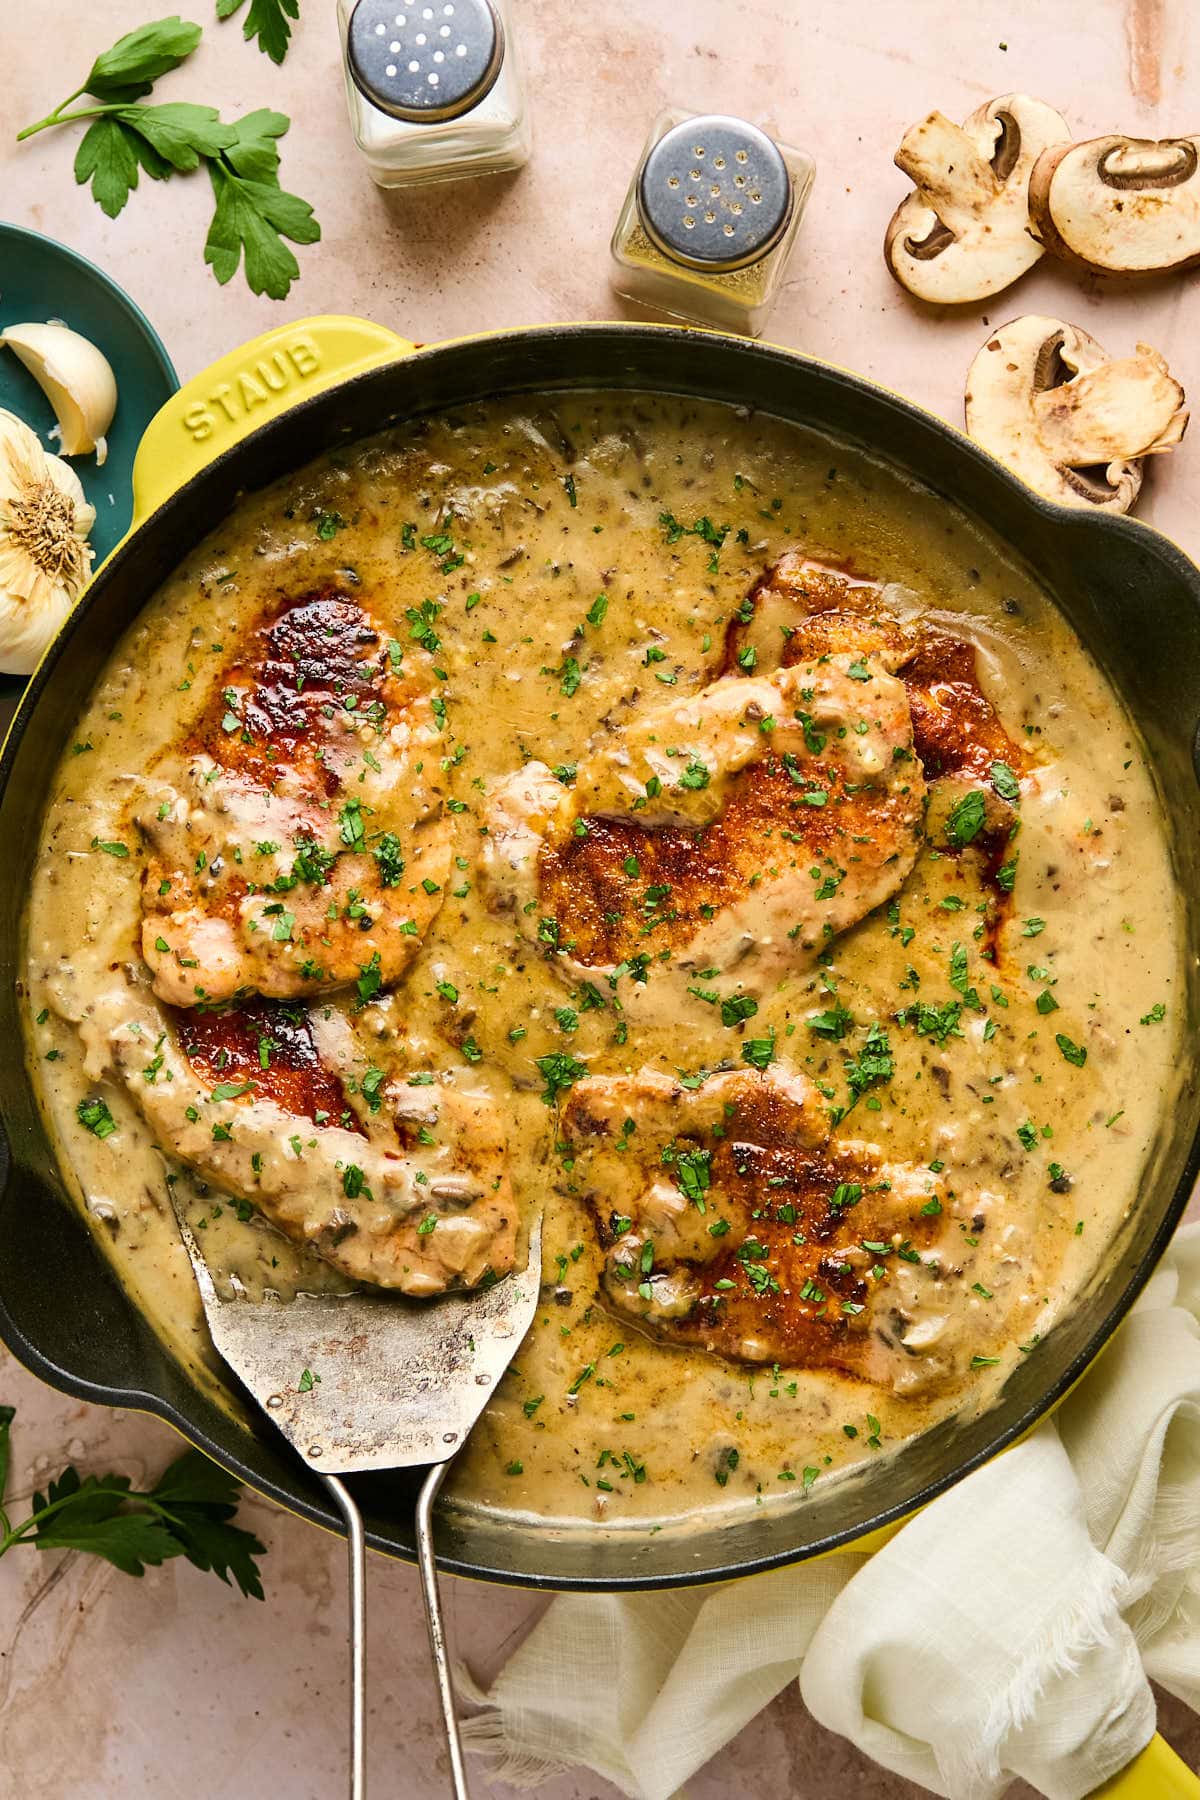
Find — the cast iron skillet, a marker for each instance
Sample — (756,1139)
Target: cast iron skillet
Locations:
(1134,600)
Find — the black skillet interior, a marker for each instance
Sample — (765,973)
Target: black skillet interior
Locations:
(1134,600)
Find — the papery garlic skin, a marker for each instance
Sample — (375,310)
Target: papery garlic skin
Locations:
(45,558)
(76,378)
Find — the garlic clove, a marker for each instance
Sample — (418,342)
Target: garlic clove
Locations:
(45,558)
(75,377)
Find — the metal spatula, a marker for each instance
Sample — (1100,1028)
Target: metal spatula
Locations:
(373,1381)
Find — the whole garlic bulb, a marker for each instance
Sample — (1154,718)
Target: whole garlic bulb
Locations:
(45,558)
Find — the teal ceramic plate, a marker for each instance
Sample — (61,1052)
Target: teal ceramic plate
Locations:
(42,280)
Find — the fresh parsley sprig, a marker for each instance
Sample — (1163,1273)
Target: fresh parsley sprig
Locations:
(125,138)
(188,1512)
(267,21)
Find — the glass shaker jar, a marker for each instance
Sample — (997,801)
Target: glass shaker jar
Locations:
(433,88)
(710,220)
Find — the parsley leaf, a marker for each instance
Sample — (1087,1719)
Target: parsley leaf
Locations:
(136,60)
(110,156)
(937,1023)
(94,1114)
(188,1513)
(253,213)
(873,1064)
(966,819)
(832,1024)
(559,1071)
(267,21)
(1004,781)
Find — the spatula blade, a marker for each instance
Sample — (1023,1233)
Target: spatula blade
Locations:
(372,1381)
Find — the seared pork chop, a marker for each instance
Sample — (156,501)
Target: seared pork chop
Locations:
(742,827)
(297,835)
(398,1183)
(730,1220)
(799,610)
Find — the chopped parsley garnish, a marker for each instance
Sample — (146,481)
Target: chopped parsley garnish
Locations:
(559,1072)
(232,1090)
(834,1023)
(934,1022)
(421,620)
(1074,1053)
(311,863)
(389,859)
(873,1064)
(814,740)
(1004,781)
(370,979)
(350,825)
(692,1172)
(759,1052)
(966,819)
(94,1114)
(703,528)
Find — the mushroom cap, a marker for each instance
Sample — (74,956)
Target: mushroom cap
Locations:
(1125,206)
(1047,401)
(964,233)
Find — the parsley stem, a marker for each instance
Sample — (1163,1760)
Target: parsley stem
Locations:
(59,117)
(18,1534)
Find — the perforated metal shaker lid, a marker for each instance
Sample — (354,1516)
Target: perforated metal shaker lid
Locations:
(714,193)
(425,60)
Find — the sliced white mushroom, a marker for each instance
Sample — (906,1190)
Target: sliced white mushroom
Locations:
(1047,400)
(1125,206)
(964,233)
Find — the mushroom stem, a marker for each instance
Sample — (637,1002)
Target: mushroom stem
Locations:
(963,233)
(1123,409)
(943,163)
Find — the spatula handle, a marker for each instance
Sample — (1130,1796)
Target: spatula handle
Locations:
(356,1544)
(427,1563)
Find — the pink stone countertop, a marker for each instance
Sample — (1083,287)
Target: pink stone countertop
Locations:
(173,1685)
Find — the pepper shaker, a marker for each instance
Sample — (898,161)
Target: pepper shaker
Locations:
(433,88)
(710,220)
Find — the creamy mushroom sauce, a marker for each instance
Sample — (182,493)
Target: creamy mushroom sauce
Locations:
(534,509)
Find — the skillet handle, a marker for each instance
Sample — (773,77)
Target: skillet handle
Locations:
(248,388)
(1157,1774)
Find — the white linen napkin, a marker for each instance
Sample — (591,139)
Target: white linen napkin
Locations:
(1009,1629)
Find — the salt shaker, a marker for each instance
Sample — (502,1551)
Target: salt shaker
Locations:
(710,219)
(433,88)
